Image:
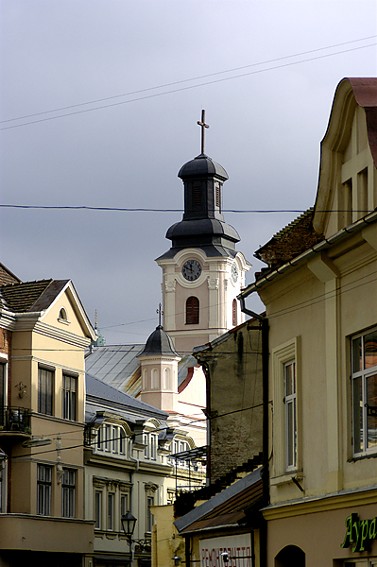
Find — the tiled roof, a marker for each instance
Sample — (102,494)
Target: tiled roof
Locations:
(6,276)
(31,296)
(292,240)
(365,92)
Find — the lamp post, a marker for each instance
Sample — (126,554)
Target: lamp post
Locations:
(128,522)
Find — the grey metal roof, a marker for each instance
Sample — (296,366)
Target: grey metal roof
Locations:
(99,392)
(119,366)
(202,165)
(114,364)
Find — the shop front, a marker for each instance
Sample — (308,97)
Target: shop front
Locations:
(335,532)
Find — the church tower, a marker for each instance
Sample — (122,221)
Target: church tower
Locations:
(202,273)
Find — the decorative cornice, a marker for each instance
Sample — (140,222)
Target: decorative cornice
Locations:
(310,505)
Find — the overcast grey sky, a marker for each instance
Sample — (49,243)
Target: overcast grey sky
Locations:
(264,71)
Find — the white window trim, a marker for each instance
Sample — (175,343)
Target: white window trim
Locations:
(281,355)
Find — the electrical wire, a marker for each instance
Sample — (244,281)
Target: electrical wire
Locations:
(196,78)
(173,91)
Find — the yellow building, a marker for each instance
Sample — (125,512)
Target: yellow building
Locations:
(43,334)
(320,294)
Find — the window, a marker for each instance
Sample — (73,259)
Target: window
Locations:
(69,493)
(112,439)
(218,195)
(197,196)
(3,482)
(63,315)
(123,508)
(149,515)
(290,414)
(155,379)
(364,392)
(234,313)
(69,397)
(98,509)
(192,311)
(153,443)
(44,490)
(286,415)
(45,388)
(110,510)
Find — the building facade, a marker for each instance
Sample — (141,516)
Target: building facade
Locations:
(43,335)
(320,293)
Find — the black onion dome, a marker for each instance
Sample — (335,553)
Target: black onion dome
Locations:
(202,165)
(158,343)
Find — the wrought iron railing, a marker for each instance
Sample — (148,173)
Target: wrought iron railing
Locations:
(14,419)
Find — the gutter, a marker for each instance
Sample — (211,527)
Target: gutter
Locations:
(265,472)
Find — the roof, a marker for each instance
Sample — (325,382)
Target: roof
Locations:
(202,165)
(159,344)
(27,297)
(227,508)
(119,366)
(289,242)
(114,364)
(365,93)
(107,396)
(6,276)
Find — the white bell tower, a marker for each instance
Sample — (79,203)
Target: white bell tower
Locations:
(202,273)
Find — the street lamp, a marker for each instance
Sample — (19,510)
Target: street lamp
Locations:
(128,524)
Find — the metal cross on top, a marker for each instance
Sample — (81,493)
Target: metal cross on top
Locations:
(202,125)
(160,314)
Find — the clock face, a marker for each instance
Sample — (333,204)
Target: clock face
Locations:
(191,270)
(234,272)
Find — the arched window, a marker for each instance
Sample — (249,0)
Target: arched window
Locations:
(167,380)
(63,315)
(290,555)
(234,313)
(192,311)
(155,382)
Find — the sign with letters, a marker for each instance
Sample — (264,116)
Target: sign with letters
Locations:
(238,548)
(359,533)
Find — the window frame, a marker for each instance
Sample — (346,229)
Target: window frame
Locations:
(98,509)
(192,310)
(290,414)
(46,386)
(69,396)
(282,355)
(359,407)
(69,480)
(44,489)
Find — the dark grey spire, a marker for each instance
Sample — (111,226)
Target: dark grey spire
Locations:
(158,343)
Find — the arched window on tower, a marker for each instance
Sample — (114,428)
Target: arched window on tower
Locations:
(192,311)
(234,313)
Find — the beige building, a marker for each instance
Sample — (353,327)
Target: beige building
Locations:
(320,294)
(43,334)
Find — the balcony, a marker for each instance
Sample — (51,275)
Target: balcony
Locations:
(14,421)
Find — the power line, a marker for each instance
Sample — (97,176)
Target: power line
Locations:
(173,91)
(151,210)
(196,78)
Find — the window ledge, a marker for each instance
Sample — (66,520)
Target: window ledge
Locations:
(286,478)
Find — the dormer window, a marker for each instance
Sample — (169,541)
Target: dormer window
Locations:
(63,316)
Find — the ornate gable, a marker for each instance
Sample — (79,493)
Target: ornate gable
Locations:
(347,187)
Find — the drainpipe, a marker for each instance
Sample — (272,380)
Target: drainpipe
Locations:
(265,473)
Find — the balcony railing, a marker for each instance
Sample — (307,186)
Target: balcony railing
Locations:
(14,419)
